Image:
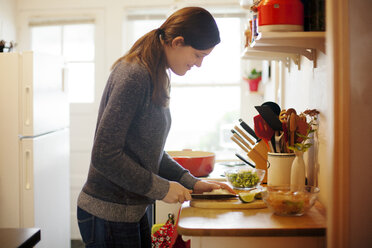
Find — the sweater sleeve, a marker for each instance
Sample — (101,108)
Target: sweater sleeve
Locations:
(170,169)
(123,98)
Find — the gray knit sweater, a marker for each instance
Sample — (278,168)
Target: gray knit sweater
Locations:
(129,169)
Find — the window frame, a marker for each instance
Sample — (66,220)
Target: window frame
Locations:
(62,24)
(136,14)
(161,13)
(71,16)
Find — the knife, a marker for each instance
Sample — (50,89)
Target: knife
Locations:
(248,129)
(213,196)
(241,140)
(244,160)
(242,133)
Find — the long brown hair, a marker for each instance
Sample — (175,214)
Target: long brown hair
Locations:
(199,30)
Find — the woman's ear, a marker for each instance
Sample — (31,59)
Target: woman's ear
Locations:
(178,41)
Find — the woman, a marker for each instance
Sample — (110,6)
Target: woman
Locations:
(129,169)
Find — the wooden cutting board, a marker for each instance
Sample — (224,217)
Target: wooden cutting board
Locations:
(227,203)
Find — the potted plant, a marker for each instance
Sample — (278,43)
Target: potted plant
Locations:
(253,79)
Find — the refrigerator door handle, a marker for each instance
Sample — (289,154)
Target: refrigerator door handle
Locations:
(64,78)
(28,169)
(28,105)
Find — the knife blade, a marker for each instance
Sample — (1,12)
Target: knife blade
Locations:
(213,196)
(244,160)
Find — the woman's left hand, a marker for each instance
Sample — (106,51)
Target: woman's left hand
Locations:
(207,186)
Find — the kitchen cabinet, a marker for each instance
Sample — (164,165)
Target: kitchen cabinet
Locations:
(286,46)
(162,210)
(254,227)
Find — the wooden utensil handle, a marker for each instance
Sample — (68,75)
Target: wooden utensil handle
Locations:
(242,141)
(239,144)
(292,139)
(244,135)
(271,146)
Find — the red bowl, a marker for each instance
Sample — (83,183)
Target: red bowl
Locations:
(199,163)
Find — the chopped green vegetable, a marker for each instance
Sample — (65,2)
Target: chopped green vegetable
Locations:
(243,179)
(294,207)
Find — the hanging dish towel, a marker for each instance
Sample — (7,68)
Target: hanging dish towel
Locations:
(167,236)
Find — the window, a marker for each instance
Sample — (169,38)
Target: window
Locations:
(205,103)
(76,43)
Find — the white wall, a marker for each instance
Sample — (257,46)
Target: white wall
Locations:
(8,20)
(308,88)
(305,88)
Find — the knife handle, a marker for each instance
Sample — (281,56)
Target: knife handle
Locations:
(244,135)
(245,143)
(239,144)
(248,129)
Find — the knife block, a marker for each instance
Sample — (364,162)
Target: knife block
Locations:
(259,156)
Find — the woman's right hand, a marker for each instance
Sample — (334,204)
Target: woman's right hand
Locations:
(177,193)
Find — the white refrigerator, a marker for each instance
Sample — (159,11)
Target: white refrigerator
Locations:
(34,146)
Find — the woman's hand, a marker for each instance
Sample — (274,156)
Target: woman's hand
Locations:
(177,193)
(207,186)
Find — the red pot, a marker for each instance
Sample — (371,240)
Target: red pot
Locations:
(199,163)
(253,83)
(281,15)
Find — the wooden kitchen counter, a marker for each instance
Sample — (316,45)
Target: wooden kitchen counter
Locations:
(249,222)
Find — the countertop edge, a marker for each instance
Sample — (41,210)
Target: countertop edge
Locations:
(316,232)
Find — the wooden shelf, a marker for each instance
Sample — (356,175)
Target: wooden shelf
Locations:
(295,40)
(256,54)
(286,46)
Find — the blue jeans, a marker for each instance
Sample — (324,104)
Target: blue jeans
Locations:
(97,232)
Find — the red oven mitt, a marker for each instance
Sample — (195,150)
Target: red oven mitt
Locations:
(167,236)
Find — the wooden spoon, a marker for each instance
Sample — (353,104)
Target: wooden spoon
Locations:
(301,127)
(290,111)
